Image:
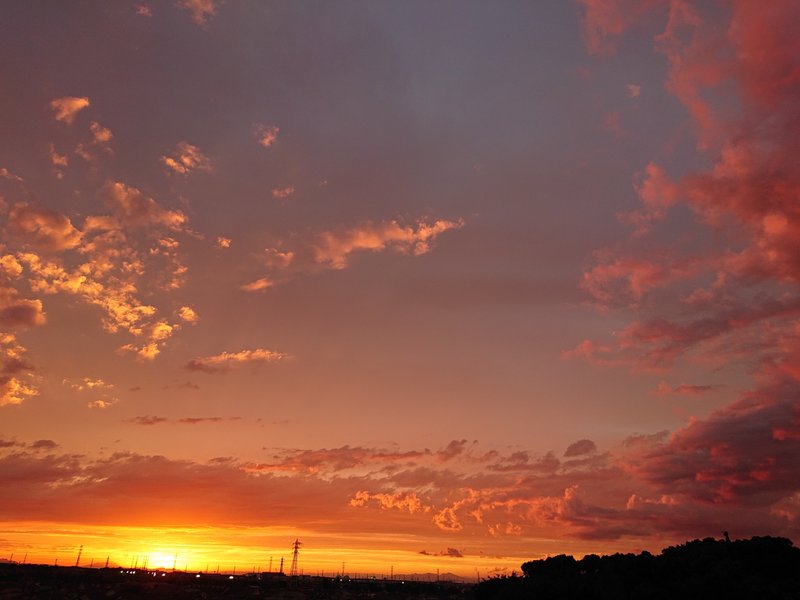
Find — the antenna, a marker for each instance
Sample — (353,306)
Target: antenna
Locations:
(78,560)
(270,564)
(281,571)
(295,552)
(107,557)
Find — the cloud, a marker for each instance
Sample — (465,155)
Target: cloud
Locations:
(43,445)
(15,391)
(153,420)
(88,384)
(665,389)
(580,448)
(101,136)
(333,249)
(451,552)
(223,242)
(202,10)
(277,259)
(732,299)
(597,502)
(14,371)
(65,109)
(42,228)
(221,363)
(402,501)
(102,403)
(266,135)
(188,315)
(282,193)
(186,159)
(147,420)
(59,161)
(143,10)
(106,263)
(135,209)
(199,420)
(742,453)
(257,285)
(8,175)
(16,311)
(633,90)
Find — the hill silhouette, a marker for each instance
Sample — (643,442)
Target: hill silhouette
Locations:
(758,568)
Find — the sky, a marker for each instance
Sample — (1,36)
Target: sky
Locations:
(427,285)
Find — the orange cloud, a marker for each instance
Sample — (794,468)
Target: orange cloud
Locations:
(187,158)
(67,108)
(56,159)
(334,248)
(225,361)
(43,228)
(13,368)
(223,242)
(188,314)
(403,501)
(267,135)
(202,10)
(257,285)
(102,403)
(134,208)
(16,311)
(282,193)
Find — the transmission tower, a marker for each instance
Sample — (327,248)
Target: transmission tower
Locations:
(295,552)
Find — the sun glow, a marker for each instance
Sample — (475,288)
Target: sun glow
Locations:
(232,549)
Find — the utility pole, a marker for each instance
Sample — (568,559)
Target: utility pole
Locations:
(78,560)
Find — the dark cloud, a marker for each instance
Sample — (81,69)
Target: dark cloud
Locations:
(580,448)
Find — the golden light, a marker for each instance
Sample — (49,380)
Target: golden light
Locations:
(162,559)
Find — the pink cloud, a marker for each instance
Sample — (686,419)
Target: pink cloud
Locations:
(334,248)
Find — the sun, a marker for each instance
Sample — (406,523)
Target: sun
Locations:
(161,559)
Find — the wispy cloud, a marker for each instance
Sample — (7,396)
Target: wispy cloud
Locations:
(257,285)
(186,158)
(334,248)
(221,363)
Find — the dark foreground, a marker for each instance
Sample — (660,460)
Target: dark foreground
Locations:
(39,582)
(761,568)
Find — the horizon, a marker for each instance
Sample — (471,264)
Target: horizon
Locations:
(427,286)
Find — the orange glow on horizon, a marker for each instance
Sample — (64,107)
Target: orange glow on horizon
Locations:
(226,550)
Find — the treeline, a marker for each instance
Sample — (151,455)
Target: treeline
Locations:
(759,568)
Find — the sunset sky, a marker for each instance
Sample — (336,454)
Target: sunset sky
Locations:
(428,285)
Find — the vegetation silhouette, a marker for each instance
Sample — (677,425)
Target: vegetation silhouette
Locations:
(758,568)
